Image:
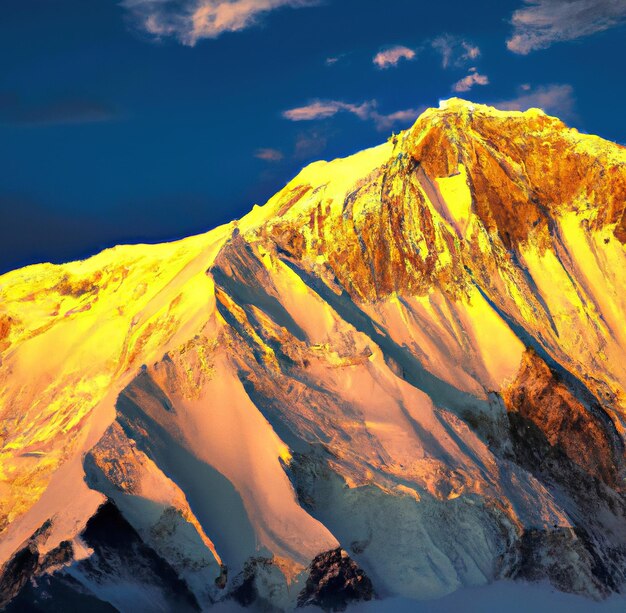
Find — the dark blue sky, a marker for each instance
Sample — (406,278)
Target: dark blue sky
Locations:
(124,121)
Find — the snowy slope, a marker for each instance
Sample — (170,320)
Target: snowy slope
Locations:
(402,376)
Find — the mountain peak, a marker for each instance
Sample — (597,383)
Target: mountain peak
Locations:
(408,366)
(461,171)
(461,105)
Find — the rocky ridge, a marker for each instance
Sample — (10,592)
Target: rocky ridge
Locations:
(296,407)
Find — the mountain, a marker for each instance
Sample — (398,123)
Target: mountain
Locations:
(402,375)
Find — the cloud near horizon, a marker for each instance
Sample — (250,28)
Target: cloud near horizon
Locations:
(392,55)
(310,143)
(555,99)
(541,23)
(192,20)
(471,79)
(366,111)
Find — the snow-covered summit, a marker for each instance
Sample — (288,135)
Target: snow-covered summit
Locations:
(402,375)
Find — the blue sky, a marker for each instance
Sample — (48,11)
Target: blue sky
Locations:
(148,120)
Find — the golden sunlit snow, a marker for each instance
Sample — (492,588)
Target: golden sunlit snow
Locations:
(372,308)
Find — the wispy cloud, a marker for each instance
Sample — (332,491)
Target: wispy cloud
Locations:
(310,143)
(541,23)
(454,51)
(192,20)
(471,52)
(555,99)
(322,109)
(392,55)
(269,155)
(334,59)
(366,111)
(64,111)
(471,79)
(404,117)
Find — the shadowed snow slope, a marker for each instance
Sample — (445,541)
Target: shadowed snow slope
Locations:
(404,375)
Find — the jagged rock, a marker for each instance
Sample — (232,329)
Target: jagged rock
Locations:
(17,572)
(580,431)
(28,563)
(335,581)
(120,556)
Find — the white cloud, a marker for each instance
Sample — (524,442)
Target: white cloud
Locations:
(541,23)
(454,51)
(471,79)
(392,55)
(269,155)
(322,109)
(191,20)
(366,111)
(555,99)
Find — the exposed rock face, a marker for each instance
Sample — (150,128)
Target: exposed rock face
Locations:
(556,554)
(27,562)
(415,355)
(334,582)
(118,557)
(578,430)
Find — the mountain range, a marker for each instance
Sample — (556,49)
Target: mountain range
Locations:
(403,375)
